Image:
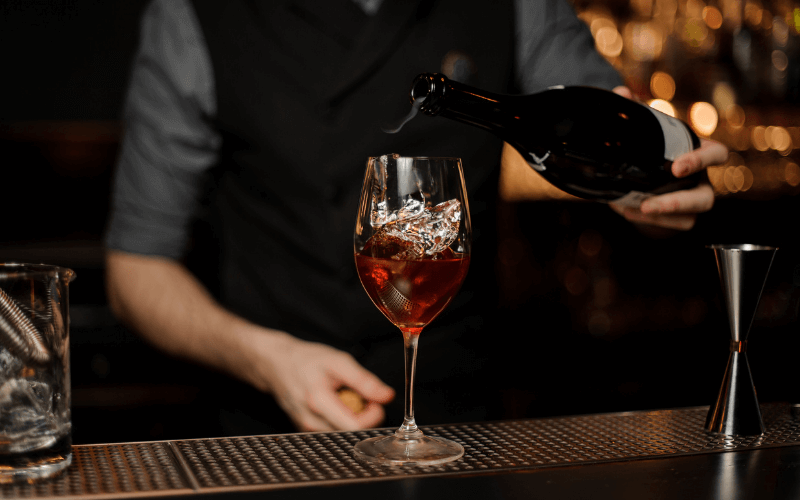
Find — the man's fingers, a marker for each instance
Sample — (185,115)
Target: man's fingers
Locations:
(709,153)
(327,405)
(295,405)
(372,415)
(335,415)
(362,381)
(677,210)
(689,201)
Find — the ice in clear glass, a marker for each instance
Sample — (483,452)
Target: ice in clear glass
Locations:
(35,419)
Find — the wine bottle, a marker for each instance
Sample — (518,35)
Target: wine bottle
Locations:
(587,141)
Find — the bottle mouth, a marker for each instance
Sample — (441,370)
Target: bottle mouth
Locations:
(425,90)
(422,87)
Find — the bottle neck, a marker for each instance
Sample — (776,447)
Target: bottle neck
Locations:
(440,96)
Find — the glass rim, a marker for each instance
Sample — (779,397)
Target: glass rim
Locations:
(454,158)
(747,247)
(20,269)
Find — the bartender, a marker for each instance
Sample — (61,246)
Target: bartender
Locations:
(247,129)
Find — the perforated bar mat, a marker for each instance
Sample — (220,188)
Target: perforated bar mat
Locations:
(164,468)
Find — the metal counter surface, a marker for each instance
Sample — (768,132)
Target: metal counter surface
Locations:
(647,454)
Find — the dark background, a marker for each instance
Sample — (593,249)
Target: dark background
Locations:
(599,315)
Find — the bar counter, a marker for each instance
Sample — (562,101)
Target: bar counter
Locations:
(643,454)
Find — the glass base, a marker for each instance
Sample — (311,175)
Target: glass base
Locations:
(35,465)
(393,450)
(34,472)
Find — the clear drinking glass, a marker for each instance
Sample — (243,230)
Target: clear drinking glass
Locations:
(35,424)
(412,249)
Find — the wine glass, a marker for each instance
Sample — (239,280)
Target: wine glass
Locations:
(412,247)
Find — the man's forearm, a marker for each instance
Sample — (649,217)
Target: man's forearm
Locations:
(166,304)
(171,309)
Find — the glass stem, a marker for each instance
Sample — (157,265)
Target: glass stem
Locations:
(409,429)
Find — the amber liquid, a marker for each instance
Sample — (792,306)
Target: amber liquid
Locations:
(411,293)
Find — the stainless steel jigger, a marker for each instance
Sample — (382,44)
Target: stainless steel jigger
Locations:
(743,270)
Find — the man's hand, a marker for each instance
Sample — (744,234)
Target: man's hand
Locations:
(304,378)
(170,308)
(676,210)
(679,209)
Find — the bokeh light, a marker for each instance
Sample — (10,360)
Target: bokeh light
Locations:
(734,159)
(796,19)
(792,174)
(644,41)
(753,13)
(759,138)
(599,21)
(735,116)
(715,177)
(779,60)
(747,176)
(738,178)
(778,138)
(662,86)
(703,117)
(723,96)
(695,33)
(608,41)
(733,179)
(780,32)
(663,106)
(712,17)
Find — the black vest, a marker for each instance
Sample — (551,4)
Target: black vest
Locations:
(302,89)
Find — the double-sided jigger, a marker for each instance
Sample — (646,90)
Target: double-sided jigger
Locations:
(743,270)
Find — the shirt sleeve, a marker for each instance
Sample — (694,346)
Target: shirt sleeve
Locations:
(169,144)
(554,47)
